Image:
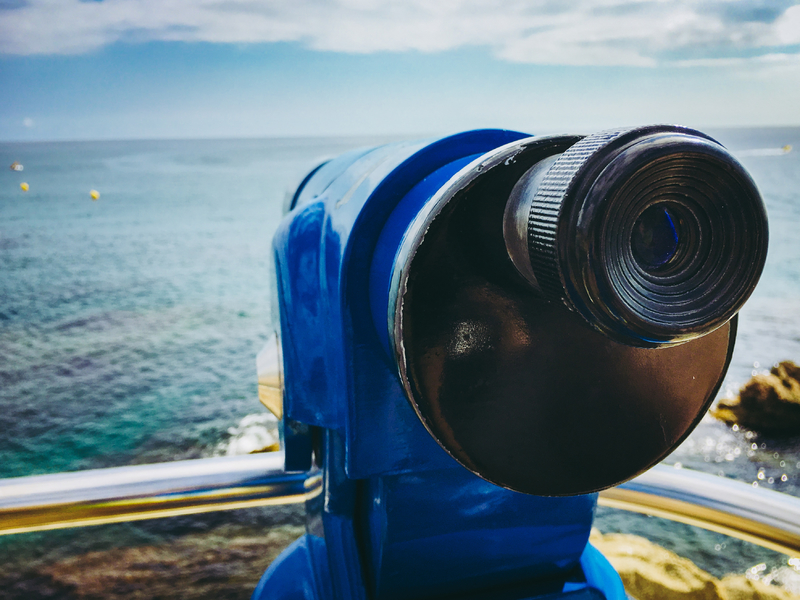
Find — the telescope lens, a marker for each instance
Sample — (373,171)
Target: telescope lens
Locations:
(655,238)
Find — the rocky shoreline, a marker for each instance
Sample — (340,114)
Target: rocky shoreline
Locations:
(224,564)
(651,572)
(194,567)
(768,403)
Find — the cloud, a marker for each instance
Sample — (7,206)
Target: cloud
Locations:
(765,66)
(788,26)
(583,32)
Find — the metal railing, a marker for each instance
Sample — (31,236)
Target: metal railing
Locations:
(115,495)
(94,497)
(758,515)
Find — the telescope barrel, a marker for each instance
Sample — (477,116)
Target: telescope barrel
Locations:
(529,293)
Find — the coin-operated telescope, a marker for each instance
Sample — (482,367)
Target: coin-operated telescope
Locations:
(480,331)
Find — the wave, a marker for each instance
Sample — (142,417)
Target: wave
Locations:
(255,433)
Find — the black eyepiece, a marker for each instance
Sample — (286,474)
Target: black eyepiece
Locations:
(654,235)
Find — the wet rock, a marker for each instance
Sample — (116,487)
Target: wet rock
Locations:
(768,403)
(739,587)
(650,572)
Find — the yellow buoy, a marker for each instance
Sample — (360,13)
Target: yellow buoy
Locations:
(787,148)
(24,186)
(94,194)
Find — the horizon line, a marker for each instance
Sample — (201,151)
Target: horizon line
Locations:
(329,136)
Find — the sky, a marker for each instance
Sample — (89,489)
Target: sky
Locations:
(130,69)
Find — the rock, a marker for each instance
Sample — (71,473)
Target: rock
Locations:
(218,565)
(768,403)
(650,572)
(739,587)
(788,577)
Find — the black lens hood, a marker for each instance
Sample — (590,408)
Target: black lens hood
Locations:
(582,221)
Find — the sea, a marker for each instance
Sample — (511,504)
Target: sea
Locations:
(129,324)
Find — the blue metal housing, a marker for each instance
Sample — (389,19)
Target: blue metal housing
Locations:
(398,517)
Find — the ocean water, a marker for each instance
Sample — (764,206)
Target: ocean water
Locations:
(129,326)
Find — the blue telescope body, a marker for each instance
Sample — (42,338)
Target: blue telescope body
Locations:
(421,329)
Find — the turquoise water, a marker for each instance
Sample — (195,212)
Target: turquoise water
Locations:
(129,326)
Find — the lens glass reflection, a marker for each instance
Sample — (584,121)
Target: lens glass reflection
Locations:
(654,240)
